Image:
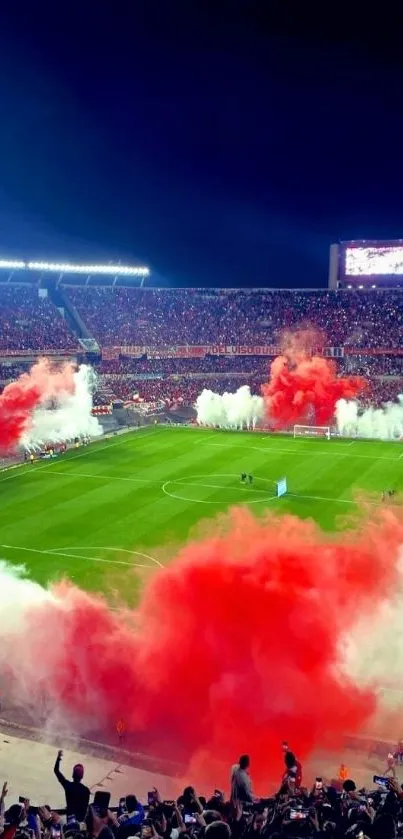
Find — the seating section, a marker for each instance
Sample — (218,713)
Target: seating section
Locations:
(363,320)
(157,317)
(28,322)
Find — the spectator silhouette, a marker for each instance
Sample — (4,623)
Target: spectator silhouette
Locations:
(77,794)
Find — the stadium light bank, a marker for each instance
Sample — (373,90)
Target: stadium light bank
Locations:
(75,268)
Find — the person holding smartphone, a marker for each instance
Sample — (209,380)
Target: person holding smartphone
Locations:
(190,802)
(148,830)
(97,826)
(133,815)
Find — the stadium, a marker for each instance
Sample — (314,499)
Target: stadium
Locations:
(200,515)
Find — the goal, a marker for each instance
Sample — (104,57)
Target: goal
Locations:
(312,431)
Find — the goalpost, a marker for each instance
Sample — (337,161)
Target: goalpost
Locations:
(312,431)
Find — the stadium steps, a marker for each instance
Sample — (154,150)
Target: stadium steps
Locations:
(75,321)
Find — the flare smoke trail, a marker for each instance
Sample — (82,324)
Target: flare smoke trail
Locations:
(305,389)
(45,381)
(25,416)
(71,418)
(229,410)
(250,636)
(384,423)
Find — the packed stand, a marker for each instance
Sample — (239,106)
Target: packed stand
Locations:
(373,366)
(171,366)
(183,389)
(157,317)
(10,372)
(382,391)
(337,809)
(182,379)
(28,322)
(360,365)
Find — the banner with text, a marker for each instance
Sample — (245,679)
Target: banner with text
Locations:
(200,351)
(187,351)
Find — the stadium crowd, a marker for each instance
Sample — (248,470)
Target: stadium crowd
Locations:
(30,322)
(179,389)
(336,810)
(157,317)
(360,365)
(185,387)
(172,366)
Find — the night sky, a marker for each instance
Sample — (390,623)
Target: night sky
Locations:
(218,143)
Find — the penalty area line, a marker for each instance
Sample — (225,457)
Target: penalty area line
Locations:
(52,552)
(108,548)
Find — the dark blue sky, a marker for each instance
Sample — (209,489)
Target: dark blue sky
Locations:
(219,144)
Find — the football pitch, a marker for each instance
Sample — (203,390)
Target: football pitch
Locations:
(107,515)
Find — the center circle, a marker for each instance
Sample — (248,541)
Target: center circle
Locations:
(264,489)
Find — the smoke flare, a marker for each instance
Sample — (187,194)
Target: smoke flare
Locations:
(385,423)
(45,381)
(305,389)
(229,410)
(50,404)
(70,417)
(237,644)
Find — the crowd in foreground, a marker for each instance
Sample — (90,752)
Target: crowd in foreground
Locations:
(337,810)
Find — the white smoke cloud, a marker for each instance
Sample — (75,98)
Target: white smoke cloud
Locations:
(384,423)
(229,410)
(372,651)
(29,656)
(70,418)
(17,595)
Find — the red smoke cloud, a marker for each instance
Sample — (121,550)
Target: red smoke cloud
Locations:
(304,388)
(20,398)
(235,645)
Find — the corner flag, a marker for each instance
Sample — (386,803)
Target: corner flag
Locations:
(281,487)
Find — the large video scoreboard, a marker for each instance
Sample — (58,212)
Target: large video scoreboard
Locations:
(366,264)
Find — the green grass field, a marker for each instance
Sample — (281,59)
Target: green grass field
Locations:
(104,515)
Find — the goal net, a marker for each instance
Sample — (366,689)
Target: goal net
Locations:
(312,431)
